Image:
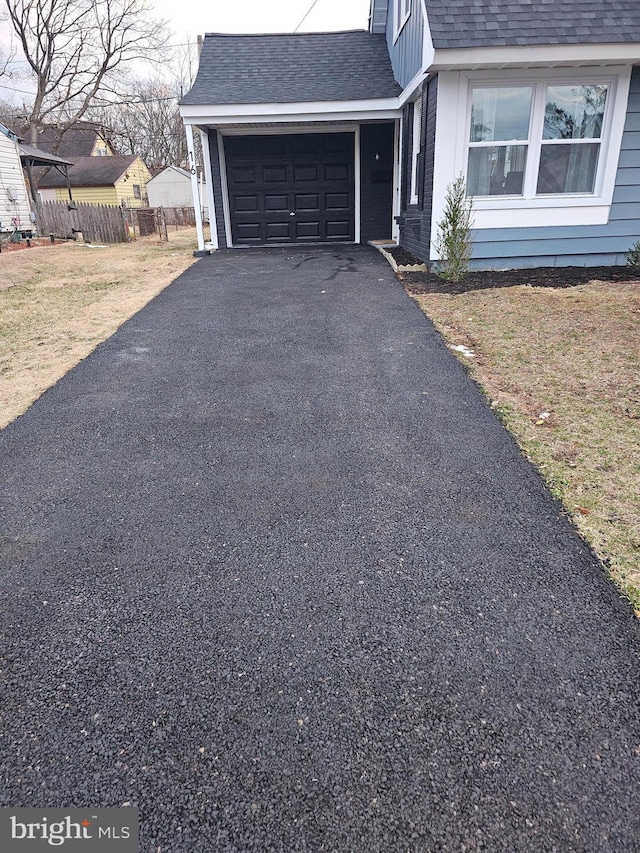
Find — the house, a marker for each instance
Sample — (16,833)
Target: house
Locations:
(172,188)
(15,210)
(355,136)
(114,180)
(83,139)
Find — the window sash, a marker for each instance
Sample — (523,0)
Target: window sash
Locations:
(536,139)
(402,10)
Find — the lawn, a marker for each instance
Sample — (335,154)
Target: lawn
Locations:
(561,367)
(57,303)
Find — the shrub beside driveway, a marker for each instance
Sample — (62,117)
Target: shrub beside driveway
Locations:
(561,367)
(57,303)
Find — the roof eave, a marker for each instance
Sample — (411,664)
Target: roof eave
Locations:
(533,56)
(310,111)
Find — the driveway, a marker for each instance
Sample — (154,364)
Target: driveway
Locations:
(272,571)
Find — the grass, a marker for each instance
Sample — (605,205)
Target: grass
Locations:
(561,368)
(58,303)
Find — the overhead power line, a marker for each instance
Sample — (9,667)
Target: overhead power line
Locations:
(306,15)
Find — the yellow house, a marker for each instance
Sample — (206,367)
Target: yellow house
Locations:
(115,180)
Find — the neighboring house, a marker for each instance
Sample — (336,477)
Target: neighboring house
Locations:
(172,188)
(355,136)
(15,210)
(83,139)
(100,180)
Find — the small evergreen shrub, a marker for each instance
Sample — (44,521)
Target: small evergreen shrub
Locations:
(453,239)
(633,255)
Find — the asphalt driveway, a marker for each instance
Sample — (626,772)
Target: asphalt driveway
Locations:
(272,572)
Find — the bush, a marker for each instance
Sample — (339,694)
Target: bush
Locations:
(633,255)
(453,239)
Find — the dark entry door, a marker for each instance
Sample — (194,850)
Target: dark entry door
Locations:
(295,188)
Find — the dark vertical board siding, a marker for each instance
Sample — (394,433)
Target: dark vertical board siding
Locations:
(217,188)
(406,53)
(415,225)
(376,181)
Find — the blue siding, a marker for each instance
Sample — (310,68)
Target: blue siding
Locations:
(406,53)
(588,245)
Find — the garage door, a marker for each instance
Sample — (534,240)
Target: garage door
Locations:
(297,188)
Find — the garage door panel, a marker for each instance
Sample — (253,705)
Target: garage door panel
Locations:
(309,201)
(338,230)
(248,231)
(277,230)
(272,145)
(291,188)
(338,143)
(246,203)
(244,174)
(336,172)
(338,201)
(304,173)
(274,174)
(276,202)
(308,230)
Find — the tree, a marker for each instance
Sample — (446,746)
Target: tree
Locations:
(148,124)
(74,50)
(453,238)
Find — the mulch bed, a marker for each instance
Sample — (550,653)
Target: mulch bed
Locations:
(402,257)
(419,282)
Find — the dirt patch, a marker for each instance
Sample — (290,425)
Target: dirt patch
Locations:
(561,367)
(29,243)
(57,303)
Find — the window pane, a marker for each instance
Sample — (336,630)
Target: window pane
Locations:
(496,170)
(574,112)
(500,114)
(568,168)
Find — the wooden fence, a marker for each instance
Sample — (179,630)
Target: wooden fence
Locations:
(101,223)
(98,223)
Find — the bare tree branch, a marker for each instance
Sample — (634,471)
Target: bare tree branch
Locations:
(76,49)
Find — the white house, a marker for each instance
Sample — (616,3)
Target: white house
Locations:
(172,188)
(15,210)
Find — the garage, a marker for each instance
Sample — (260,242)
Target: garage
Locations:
(291,188)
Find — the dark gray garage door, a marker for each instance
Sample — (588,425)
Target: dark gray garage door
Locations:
(297,188)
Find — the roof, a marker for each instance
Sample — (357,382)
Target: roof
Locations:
(76,142)
(92,172)
(40,158)
(182,172)
(486,23)
(263,69)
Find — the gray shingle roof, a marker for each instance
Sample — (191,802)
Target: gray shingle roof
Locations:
(262,69)
(91,172)
(481,23)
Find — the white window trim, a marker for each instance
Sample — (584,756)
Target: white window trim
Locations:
(415,149)
(401,13)
(454,118)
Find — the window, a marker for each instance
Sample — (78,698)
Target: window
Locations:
(415,150)
(536,140)
(401,12)
(136,191)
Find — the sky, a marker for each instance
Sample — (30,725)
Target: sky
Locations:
(193,17)
(190,18)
